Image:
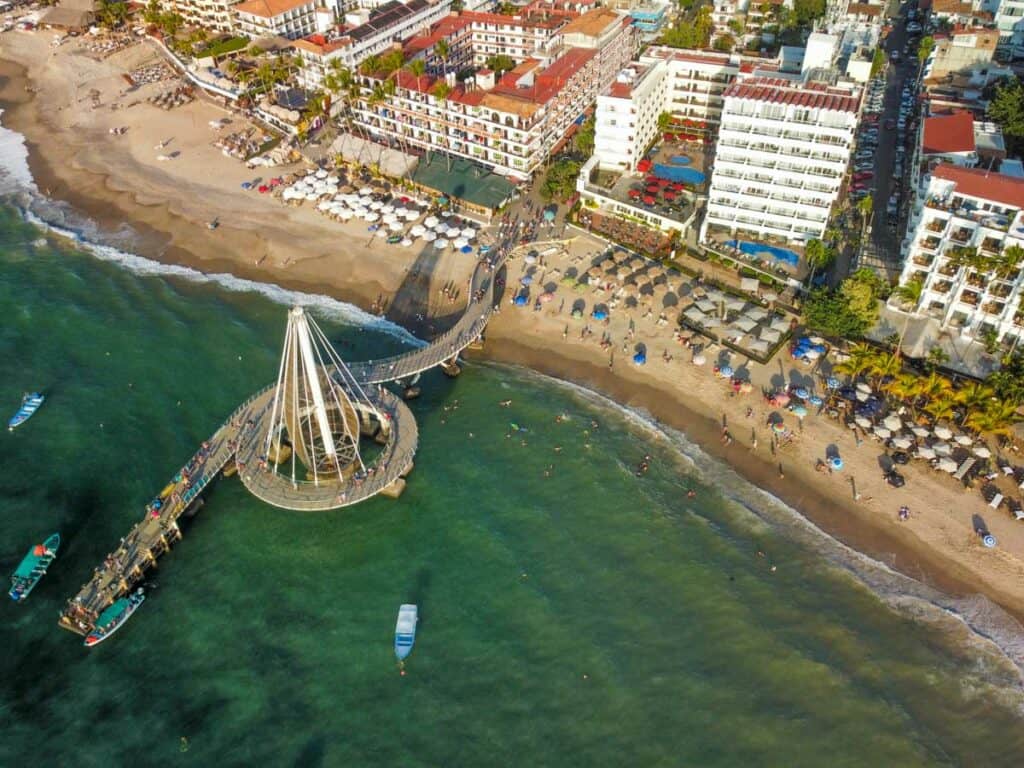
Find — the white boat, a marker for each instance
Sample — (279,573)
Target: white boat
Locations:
(405,631)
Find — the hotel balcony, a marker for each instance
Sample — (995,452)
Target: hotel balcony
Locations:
(970,298)
(930,243)
(999,289)
(992,245)
(937,225)
(942,286)
(962,235)
(993,308)
(922,259)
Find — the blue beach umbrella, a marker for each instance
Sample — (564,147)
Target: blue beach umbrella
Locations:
(599,315)
(802,393)
(988,540)
(725,371)
(466,249)
(526,280)
(832,382)
(640,358)
(799,411)
(520,301)
(549,215)
(836,463)
(815,400)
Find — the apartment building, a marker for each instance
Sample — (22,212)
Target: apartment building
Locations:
(783,148)
(510,124)
(283,18)
(1009,18)
(212,15)
(626,119)
(365,33)
(958,235)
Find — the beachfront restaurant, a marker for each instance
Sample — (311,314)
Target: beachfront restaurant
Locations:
(473,187)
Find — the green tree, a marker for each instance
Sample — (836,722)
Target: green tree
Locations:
(417,68)
(819,256)
(936,356)
(725,43)
(152,12)
(443,51)
(807,11)
(112,13)
(925,49)
(1007,109)
(829,312)
(878,62)
(584,138)
(500,63)
(909,294)
(560,181)
(691,31)
(1008,381)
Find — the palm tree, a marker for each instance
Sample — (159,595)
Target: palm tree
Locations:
(909,294)
(997,418)
(960,256)
(443,51)
(417,68)
(1009,261)
(861,358)
(440,92)
(940,407)
(885,366)
(974,397)
(818,256)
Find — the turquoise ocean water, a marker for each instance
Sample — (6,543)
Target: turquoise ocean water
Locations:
(571,613)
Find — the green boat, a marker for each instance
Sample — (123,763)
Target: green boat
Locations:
(114,617)
(33,568)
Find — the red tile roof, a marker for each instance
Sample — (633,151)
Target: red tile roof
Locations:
(980,183)
(779,91)
(946,134)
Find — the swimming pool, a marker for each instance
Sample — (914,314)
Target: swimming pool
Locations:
(680,160)
(758,249)
(678,173)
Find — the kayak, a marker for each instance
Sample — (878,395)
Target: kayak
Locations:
(33,568)
(405,631)
(29,405)
(114,617)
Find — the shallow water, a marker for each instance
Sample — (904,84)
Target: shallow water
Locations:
(571,613)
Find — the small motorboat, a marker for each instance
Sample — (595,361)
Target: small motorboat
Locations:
(114,617)
(405,631)
(29,405)
(33,567)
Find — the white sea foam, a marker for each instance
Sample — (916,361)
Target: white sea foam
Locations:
(995,636)
(15,175)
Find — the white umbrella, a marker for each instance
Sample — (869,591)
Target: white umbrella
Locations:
(892,421)
(924,452)
(963,439)
(942,449)
(946,464)
(943,433)
(920,431)
(883,432)
(321,174)
(863,422)
(429,236)
(863,396)
(387,208)
(311,196)
(418,230)
(376,205)
(862,387)
(370,216)
(699,360)
(469,233)
(389,218)
(406,243)
(411,215)
(460,242)
(430,222)
(902,442)
(440,243)
(982,451)
(325,205)
(365,191)
(395,226)
(345,215)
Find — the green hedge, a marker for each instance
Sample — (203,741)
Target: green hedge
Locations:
(222,47)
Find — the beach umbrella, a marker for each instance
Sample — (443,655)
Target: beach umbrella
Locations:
(365,191)
(778,426)
(406,242)
(892,421)
(799,411)
(924,452)
(942,449)
(417,230)
(943,433)
(648,200)
(802,393)
(982,452)
(836,463)
(526,280)
(520,301)
(387,218)
(620,256)
(595,271)
(988,540)
(782,399)
(549,215)
(699,360)
(371,216)
(323,206)
(345,215)
(883,432)
(862,396)
(387,208)
(946,464)
(440,243)
(430,222)
(375,205)
(902,442)
(725,371)
(466,249)
(634,193)
(815,400)
(862,422)
(429,236)
(460,242)
(963,439)
(919,431)
(396,226)
(410,215)
(862,387)
(640,358)
(530,259)
(469,233)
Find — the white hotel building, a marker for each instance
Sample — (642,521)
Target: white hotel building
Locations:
(967,208)
(783,148)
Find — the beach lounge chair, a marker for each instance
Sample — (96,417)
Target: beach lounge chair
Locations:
(996,501)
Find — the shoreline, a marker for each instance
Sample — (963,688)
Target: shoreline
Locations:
(171,237)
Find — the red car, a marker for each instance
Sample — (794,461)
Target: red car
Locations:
(858,187)
(871,118)
(863,175)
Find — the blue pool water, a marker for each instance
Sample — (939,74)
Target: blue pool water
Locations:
(677,173)
(680,160)
(779,254)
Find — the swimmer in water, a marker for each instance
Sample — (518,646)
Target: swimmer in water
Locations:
(558,449)
(505,403)
(691,493)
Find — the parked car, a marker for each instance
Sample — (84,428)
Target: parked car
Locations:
(863,175)
(890,123)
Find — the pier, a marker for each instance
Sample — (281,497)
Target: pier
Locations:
(316,393)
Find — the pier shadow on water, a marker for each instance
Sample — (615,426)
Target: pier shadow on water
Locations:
(412,299)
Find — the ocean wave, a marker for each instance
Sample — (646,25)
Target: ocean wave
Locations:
(996,637)
(15,175)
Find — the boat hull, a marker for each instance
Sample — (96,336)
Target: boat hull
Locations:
(33,567)
(29,405)
(97,636)
(405,631)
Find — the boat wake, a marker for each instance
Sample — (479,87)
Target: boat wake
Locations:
(996,637)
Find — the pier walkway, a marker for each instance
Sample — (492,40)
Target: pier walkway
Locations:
(241,438)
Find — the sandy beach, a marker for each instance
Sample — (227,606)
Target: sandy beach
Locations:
(118,179)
